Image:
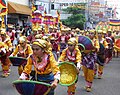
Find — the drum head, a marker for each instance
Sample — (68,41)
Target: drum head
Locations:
(86,42)
(68,73)
(29,87)
(17,61)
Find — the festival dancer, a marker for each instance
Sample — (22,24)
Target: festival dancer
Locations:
(71,54)
(89,58)
(22,50)
(101,53)
(45,66)
(4,59)
(7,42)
(63,40)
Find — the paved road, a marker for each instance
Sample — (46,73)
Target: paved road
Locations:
(109,85)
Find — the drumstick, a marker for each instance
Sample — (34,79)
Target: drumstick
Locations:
(47,91)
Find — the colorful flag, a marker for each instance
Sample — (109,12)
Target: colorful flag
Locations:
(114,22)
(2,4)
(3,11)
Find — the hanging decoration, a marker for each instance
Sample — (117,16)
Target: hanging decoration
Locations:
(48,19)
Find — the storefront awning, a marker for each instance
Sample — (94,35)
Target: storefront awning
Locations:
(18,8)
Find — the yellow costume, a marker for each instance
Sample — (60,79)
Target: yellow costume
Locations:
(45,67)
(22,51)
(74,56)
(104,42)
(4,59)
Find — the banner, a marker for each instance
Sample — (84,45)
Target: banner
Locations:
(3,11)
(114,22)
(2,4)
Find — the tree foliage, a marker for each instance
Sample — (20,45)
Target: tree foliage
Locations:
(76,20)
(74,10)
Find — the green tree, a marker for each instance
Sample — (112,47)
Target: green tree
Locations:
(77,19)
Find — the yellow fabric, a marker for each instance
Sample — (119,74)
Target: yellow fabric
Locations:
(20,69)
(8,42)
(100,69)
(2,45)
(28,51)
(72,88)
(72,41)
(63,55)
(88,74)
(52,66)
(42,45)
(5,67)
(22,39)
(96,43)
(105,43)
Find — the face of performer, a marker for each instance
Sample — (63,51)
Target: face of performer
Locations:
(100,35)
(71,47)
(3,36)
(22,44)
(37,50)
(91,35)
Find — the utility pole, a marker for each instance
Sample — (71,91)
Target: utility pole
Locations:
(49,6)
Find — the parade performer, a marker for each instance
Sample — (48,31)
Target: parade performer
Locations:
(109,51)
(22,50)
(10,33)
(45,66)
(101,54)
(89,58)
(6,39)
(63,40)
(93,37)
(4,59)
(71,54)
(54,46)
(31,37)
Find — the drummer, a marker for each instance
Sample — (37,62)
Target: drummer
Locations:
(71,54)
(22,50)
(104,42)
(89,58)
(45,66)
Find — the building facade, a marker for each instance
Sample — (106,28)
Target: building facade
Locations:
(51,6)
(18,12)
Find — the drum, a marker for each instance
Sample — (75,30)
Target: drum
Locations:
(29,87)
(81,47)
(17,61)
(68,73)
(101,55)
(102,48)
(109,40)
(86,42)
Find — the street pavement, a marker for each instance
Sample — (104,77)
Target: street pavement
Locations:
(108,85)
